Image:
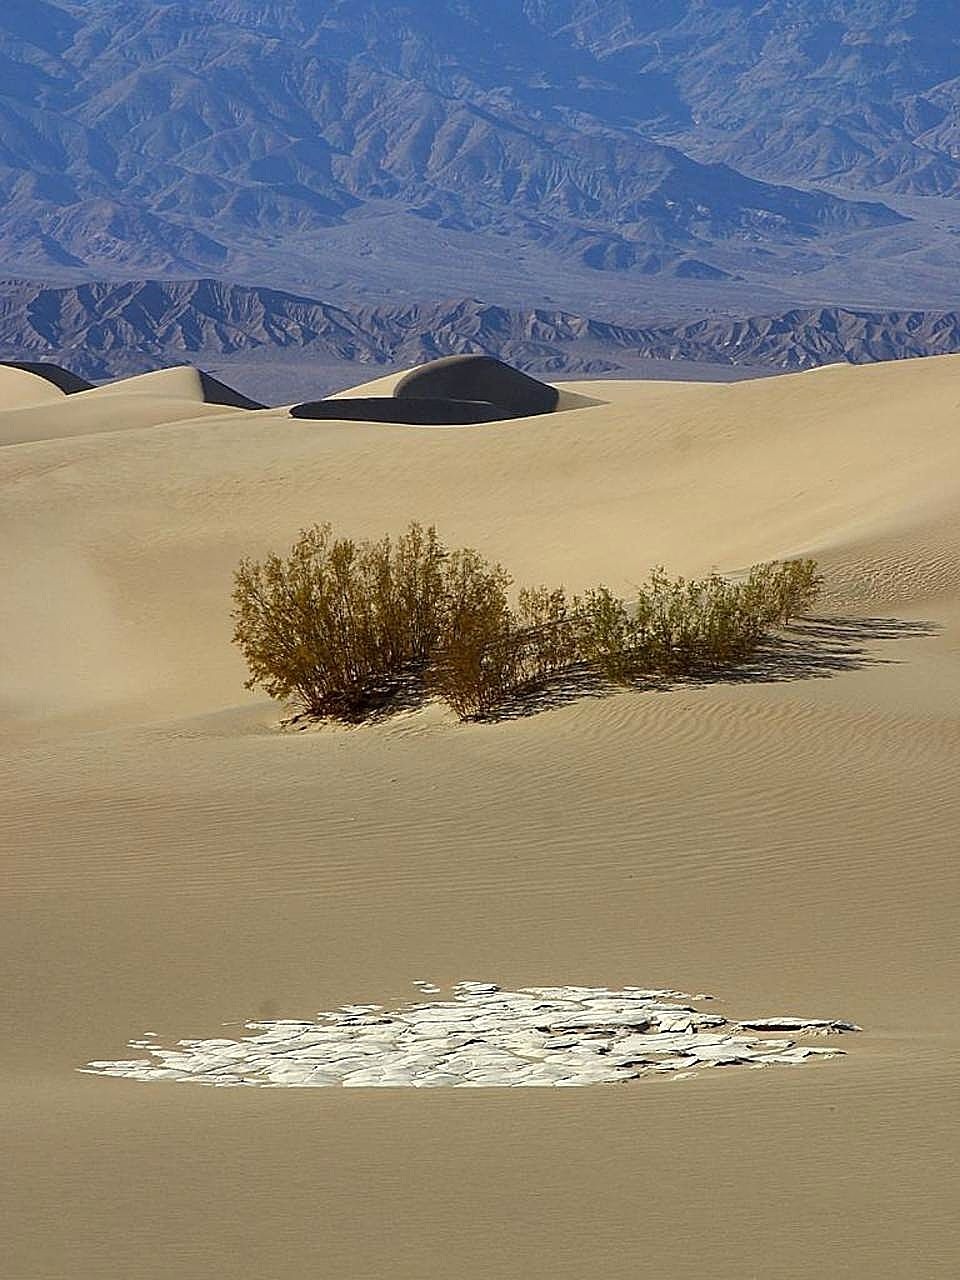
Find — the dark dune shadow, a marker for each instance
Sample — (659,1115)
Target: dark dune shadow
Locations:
(458,390)
(479,377)
(431,412)
(214,391)
(217,392)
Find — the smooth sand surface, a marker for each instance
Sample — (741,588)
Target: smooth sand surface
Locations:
(20,387)
(87,414)
(173,863)
(182,382)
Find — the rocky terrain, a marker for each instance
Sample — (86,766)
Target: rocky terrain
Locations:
(104,330)
(366,148)
(640,165)
(866,95)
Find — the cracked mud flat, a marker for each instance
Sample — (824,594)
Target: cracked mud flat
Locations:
(486,1037)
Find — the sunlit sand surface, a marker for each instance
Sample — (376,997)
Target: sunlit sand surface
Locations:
(786,837)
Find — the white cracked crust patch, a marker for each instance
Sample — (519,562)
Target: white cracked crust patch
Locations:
(485,1037)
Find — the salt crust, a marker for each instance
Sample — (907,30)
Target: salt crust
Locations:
(484,1037)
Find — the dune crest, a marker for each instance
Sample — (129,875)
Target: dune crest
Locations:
(19,387)
(183,382)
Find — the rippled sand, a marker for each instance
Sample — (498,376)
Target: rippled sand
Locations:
(173,863)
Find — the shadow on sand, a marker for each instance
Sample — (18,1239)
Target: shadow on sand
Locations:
(811,648)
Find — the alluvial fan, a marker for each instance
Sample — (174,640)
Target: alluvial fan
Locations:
(484,1037)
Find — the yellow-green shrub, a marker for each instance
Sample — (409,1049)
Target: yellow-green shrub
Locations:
(474,666)
(339,627)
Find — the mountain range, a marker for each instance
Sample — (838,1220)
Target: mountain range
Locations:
(288,143)
(669,162)
(104,330)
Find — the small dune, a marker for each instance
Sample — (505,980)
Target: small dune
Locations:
(69,383)
(21,386)
(180,383)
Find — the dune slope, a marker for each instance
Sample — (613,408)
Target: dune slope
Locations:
(20,387)
(788,840)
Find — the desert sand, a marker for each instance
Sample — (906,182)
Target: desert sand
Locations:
(175,863)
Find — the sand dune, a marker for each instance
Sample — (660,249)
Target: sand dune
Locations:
(21,387)
(80,416)
(174,862)
(180,383)
(28,412)
(691,476)
(63,379)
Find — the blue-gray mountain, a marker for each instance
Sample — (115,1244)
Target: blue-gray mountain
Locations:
(338,142)
(106,330)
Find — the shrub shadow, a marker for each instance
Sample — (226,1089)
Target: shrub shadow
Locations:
(406,693)
(813,648)
(573,686)
(810,648)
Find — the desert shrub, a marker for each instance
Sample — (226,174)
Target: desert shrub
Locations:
(729,630)
(670,610)
(549,635)
(778,591)
(675,625)
(475,666)
(804,586)
(338,624)
(340,627)
(695,623)
(609,638)
(412,584)
(491,653)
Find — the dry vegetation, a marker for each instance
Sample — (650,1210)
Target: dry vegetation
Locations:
(341,628)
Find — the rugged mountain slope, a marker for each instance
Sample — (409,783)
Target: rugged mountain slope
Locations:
(106,330)
(859,91)
(230,137)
